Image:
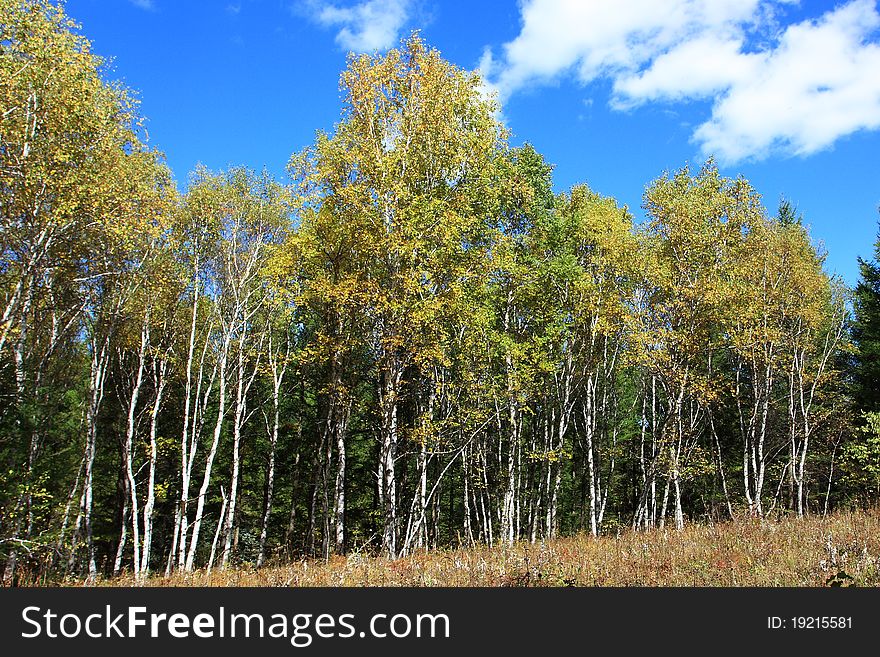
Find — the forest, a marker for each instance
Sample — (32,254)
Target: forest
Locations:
(411,342)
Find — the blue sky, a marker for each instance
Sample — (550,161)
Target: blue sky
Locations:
(612,92)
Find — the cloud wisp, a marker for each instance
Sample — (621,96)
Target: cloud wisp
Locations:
(791,90)
(366,26)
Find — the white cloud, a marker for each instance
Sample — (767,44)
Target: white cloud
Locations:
(821,83)
(366,26)
(795,90)
(608,37)
(699,68)
(144,4)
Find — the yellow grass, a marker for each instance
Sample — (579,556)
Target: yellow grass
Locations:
(745,552)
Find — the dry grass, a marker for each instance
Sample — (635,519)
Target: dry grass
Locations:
(789,552)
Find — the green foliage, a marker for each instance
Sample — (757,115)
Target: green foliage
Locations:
(866,333)
(860,459)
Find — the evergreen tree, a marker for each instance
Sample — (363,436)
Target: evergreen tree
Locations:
(866,333)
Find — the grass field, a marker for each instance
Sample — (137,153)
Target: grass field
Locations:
(841,549)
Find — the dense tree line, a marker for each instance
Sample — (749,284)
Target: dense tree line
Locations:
(411,342)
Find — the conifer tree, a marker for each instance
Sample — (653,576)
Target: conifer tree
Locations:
(866,333)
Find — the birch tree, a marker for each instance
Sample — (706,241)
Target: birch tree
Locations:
(410,160)
(77,182)
(696,224)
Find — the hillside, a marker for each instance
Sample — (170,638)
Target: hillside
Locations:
(841,549)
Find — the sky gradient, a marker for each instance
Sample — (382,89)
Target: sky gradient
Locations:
(612,92)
